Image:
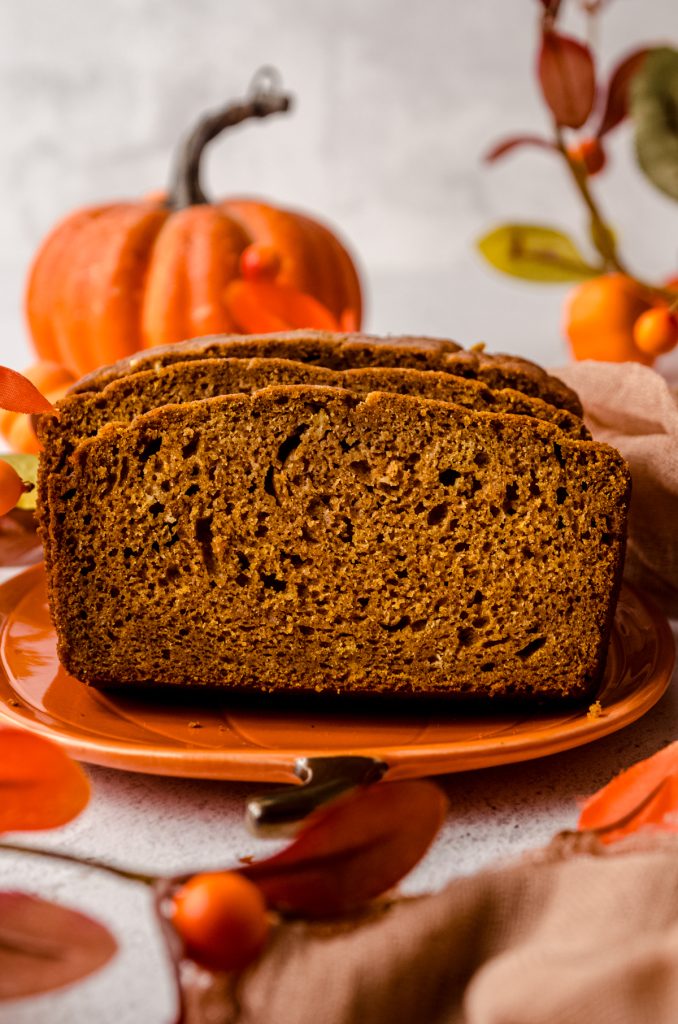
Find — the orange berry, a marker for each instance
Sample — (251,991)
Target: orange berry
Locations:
(599,318)
(11,487)
(590,153)
(222,920)
(259,262)
(656,331)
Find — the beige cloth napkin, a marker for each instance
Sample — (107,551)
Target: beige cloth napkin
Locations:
(633,408)
(577,934)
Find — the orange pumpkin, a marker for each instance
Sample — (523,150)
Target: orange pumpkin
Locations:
(112,279)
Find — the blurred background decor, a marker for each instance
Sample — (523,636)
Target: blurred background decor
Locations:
(395,107)
(112,279)
(613,315)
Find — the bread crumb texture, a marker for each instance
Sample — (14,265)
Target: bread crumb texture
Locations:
(312,538)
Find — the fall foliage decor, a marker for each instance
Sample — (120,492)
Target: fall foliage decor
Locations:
(642,798)
(347,853)
(612,315)
(112,279)
(19,396)
(33,391)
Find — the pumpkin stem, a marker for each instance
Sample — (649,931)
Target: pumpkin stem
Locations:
(264,98)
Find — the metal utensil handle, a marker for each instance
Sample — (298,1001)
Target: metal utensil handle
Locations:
(323,778)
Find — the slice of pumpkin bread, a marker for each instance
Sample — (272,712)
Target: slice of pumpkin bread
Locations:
(306,538)
(350,351)
(81,415)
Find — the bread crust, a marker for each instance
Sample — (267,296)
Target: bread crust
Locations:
(349,351)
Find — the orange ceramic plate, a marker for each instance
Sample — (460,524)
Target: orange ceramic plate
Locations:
(219,738)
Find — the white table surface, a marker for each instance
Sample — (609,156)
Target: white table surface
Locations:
(173,825)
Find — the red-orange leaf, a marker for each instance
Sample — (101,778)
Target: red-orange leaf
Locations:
(18,394)
(644,796)
(353,850)
(44,946)
(567,77)
(40,786)
(261,306)
(617,98)
(11,488)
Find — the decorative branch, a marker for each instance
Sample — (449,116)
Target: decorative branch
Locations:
(88,862)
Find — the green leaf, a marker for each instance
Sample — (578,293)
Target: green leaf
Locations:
(27,468)
(535,253)
(654,109)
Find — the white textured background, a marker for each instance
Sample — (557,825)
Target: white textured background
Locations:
(397,101)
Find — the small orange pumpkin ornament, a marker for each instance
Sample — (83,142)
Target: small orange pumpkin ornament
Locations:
(112,279)
(599,317)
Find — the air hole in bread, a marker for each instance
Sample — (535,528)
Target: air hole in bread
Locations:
(529,649)
(269,483)
(290,443)
(510,498)
(151,447)
(448,477)
(361,468)
(346,532)
(437,514)
(271,581)
(203,535)
(396,626)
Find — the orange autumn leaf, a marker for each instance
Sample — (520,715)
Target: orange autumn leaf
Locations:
(33,391)
(40,786)
(263,306)
(19,394)
(353,850)
(44,946)
(644,796)
(11,488)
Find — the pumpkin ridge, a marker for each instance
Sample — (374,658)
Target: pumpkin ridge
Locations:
(212,262)
(44,280)
(98,316)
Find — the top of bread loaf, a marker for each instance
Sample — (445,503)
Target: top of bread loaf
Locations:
(351,351)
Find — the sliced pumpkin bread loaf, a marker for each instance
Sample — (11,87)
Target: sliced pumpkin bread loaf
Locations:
(350,351)
(81,415)
(309,538)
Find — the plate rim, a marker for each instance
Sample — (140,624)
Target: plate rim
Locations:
(274,765)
